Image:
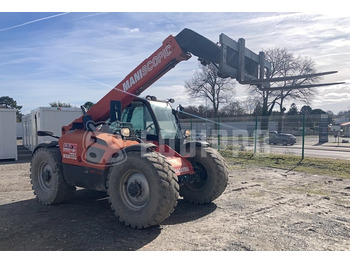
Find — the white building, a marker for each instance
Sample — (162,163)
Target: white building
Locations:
(8,137)
(46,119)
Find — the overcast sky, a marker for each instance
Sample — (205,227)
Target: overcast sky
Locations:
(78,57)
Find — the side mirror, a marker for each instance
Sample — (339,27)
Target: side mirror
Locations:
(46,133)
(115,111)
(83,109)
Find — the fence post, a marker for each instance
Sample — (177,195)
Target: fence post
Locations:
(303,139)
(255,133)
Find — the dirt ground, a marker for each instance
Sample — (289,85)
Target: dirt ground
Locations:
(261,209)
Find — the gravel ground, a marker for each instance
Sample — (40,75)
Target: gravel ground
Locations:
(261,209)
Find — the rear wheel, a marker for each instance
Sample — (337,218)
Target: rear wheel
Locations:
(47,179)
(210,166)
(143,191)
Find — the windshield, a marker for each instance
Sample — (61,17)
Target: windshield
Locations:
(166,119)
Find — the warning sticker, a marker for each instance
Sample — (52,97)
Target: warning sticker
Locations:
(70,151)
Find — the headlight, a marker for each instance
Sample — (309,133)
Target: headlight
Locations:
(187,133)
(125,131)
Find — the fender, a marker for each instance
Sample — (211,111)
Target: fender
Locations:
(142,147)
(189,148)
(121,156)
(46,145)
(196,144)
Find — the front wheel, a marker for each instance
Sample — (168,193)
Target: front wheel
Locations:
(143,190)
(210,166)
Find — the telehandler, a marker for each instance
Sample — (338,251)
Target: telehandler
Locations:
(133,148)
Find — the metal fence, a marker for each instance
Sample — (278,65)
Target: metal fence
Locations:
(262,134)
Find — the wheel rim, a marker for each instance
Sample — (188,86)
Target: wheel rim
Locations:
(45,176)
(201,172)
(135,190)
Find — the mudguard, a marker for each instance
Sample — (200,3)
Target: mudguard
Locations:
(142,147)
(46,145)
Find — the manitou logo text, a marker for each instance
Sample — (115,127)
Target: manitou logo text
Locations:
(147,67)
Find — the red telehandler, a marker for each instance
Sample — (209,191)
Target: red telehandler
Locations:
(133,148)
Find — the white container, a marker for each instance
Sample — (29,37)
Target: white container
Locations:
(19,130)
(8,139)
(46,119)
(26,124)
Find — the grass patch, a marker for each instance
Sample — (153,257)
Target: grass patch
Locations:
(320,166)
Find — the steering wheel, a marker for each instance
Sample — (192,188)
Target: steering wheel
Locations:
(150,126)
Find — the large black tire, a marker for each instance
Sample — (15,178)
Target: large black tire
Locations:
(143,191)
(46,177)
(211,167)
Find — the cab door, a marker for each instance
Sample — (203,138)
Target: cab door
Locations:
(139,116)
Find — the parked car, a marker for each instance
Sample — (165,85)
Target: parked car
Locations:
(281,138)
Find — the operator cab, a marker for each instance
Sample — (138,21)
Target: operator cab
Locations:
(153,120)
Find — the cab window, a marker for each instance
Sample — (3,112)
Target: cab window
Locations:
(140,118)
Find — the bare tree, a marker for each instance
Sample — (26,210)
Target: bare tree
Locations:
(207,84)
(235,108)
(285,64)
(250,104)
